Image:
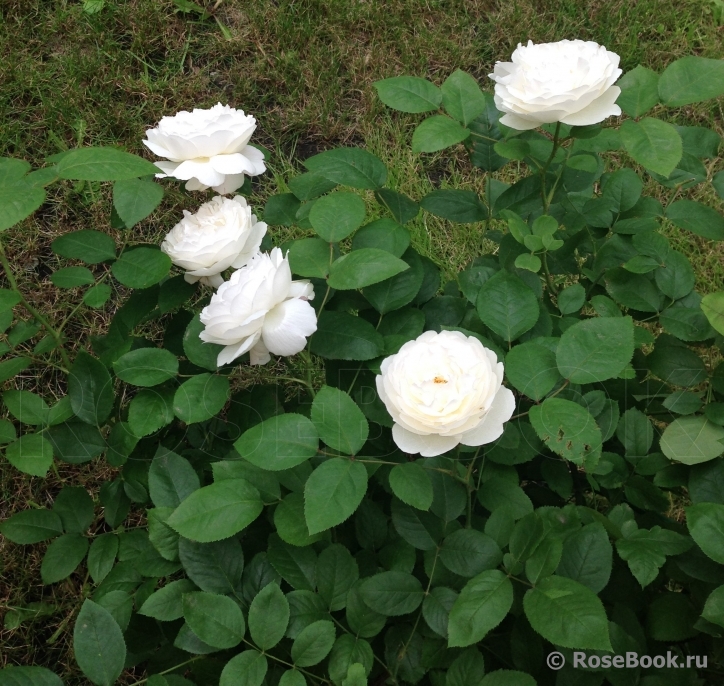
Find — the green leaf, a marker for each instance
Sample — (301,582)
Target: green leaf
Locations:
(595,349)
(468,552)
(706,526)
(245,669)
(507,306)
(507,677)
(544,559)
(290,523)
(364,267)
(146,366)
(676,365)
(268,617)
(652,143)
(532,370)
(639,91)
(409,94)
(280,442)
(645,551)
(8,299)
(384,234)
(462,97)
(464,207)
(392,593)
(571,299)
(713,307)
(567,429)
(26,407)
(75,508)
(102,556)
(347,652)
(281,210)
(587,557)
(309,186)
(713,608)
(310,257)
(437,133)
(9,368)
(141,267)
(482,604)
(293,678)
(297,566)
(200,397)
(199,352)
(400,290)
(18,197)
(342,336)
(97,296)
(635,432)
(691,79)
(90,389)
(337,572)
(402,208)
(313,644)
(339,421)
(31,526)
(64,554)
(214,567)
(98,644)
(75,442)
(135,199)
(352,167)
(217,511)
(699,219)
(171,479)
(530,262)
(567,614)
(89,246)
(31,454)
(333,492)
(412,485)
(497,493)
(28,676)
(675,278)
(215,619)
(150,409)
(467,669)
(692,440)
(103,164)
(72,277)
(336,216)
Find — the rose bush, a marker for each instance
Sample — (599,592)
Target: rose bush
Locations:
(451,478)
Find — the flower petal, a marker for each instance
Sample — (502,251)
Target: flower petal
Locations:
(600,109)
(287,326)
(491,427)
(518,123)
(428,446)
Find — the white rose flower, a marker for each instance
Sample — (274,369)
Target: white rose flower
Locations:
(260,310)
(569,82)
(222,234)
(443,389)
(207,148)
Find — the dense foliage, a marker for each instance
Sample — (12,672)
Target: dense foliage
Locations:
(288,539)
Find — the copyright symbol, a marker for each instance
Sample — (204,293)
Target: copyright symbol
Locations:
(556,660)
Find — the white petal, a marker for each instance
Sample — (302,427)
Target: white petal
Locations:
(491,427)
(518,123)
(428,446)
(602,108)
(259,354)
(203,171)
(231,183)
(235,163)
(195,185)
(231,352)
(287,326)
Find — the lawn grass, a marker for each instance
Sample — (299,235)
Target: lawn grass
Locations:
(305,69)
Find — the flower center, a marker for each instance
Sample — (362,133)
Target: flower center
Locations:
(439,379)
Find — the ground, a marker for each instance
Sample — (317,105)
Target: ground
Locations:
(305,69)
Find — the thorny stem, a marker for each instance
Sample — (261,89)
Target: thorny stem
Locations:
(14,285)
(468,476)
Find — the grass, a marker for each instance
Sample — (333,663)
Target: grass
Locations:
(305,69)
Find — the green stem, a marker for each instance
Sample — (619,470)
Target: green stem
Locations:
(544,168)
(287,664)
(14,285)
(169,670)
(468,476)
(549,280)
